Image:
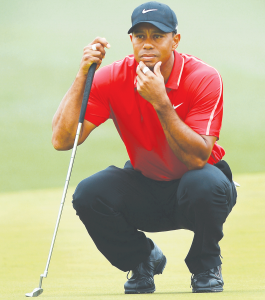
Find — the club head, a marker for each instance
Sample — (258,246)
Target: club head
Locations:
(36,292)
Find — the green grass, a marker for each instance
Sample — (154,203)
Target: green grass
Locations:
(79,271)
(41,47)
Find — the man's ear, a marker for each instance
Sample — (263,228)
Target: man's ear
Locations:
(176,40)
(131,37)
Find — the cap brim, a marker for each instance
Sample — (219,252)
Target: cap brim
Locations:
(160,26)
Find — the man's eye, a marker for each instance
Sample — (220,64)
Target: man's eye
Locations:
(157,36)
(140,36)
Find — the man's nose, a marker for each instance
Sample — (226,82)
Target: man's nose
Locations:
(148,46)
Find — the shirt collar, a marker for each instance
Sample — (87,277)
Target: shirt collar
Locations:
(175,75)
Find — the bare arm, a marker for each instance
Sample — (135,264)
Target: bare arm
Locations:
(65,120)
(190,147)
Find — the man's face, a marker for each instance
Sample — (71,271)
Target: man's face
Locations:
(151,45)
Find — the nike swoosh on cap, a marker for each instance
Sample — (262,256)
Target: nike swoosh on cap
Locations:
(146,11)
(177,105)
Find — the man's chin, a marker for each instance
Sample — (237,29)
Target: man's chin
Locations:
(150,65)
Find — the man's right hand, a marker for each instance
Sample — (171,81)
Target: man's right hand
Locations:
(91,56)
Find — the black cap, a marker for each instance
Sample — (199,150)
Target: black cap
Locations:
(158,14)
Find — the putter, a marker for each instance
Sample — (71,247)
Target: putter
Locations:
(36,292)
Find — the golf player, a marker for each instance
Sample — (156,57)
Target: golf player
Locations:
(167,108)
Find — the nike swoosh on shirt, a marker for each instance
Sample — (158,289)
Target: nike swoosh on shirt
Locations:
(177,105)
(146,11)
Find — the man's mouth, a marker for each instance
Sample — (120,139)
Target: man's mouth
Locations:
(147,57)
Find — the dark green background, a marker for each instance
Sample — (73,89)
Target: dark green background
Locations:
(41,47)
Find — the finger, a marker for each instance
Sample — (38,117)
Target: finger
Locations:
(142,65)
(95,49)
(139,80)
(139,88)
(89,59)
(102,41)
(139,71)
(98,47)
(139,84)
(94,53)
(145,70)
(157,70)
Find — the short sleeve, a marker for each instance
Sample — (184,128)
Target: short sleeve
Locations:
(98,110)
(206,105)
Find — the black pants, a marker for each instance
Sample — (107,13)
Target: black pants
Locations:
(114,204)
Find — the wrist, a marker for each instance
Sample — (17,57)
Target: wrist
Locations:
(81,75)
(162,105)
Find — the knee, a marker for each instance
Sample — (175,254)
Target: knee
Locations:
(83,195)
(200,194)
(91,188)
(97,194)
(203,188)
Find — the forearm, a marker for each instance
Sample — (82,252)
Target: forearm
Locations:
(65,120)
(191,148)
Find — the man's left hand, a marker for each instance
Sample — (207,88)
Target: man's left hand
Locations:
(150,85)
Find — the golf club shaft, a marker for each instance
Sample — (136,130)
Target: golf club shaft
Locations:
(88,85)
(63,197)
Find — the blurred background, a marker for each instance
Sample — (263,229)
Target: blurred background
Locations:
(41,45)
(41,48)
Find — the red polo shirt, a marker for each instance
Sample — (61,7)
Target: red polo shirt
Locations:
(195,91)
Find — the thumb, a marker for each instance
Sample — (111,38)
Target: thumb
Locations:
(157,68)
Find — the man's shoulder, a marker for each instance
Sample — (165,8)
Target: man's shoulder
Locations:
(119,69)
(122,64)
(128,60)
(195,66)
(199,76)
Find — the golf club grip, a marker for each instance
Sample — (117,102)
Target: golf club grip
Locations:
(89,81)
